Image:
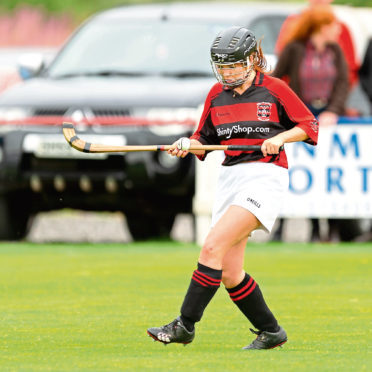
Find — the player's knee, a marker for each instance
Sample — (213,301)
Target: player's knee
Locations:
(211,249)
(231,278)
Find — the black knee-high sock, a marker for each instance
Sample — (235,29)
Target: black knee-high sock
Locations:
(249,299)
(204,284)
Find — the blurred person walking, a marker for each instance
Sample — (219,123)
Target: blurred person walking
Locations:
(245,107)
(365,73)
(314,66)
(365,78)
(344,40)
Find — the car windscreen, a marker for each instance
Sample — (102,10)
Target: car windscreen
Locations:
(137,48)
(267,28)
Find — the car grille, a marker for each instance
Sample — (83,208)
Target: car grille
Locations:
(111,112)
(50,111)
(100,112)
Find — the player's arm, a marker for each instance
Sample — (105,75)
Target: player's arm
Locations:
(180,148)
(272,145)
(293,113)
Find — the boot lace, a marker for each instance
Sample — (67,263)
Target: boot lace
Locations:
(260,336)
(171,326)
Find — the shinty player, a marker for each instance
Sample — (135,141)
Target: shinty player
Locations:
(245,107)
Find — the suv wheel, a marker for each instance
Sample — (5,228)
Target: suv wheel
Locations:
(145,226)
(14,217)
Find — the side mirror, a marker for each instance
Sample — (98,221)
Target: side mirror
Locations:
(29,65)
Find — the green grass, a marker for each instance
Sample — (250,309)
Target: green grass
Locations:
(86,307)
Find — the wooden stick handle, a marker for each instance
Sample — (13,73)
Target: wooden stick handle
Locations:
(80,145)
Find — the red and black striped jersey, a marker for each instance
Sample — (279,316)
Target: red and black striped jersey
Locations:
(265,109)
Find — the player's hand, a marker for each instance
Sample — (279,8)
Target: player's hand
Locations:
(272,146)
(327,119)
(180,148)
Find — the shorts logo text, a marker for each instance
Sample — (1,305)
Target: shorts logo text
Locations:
(254,202)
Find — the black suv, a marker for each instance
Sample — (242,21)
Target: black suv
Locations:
(131,75)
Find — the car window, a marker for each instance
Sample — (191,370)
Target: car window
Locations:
(267,28)
(153,48)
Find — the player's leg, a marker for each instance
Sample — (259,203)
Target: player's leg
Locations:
(234,226)
(233,265)
(246,294)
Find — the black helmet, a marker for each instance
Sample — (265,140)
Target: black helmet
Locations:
(231,46)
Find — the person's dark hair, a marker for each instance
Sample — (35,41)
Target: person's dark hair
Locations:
(308,23)
(260,63)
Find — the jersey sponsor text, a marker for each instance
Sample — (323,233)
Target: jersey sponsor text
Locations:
(237,129)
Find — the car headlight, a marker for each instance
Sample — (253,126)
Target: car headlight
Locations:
(13,113)
(167,130)
(172,114)
(169,120)
(167,161)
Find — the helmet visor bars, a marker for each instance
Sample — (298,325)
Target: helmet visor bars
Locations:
(231,74)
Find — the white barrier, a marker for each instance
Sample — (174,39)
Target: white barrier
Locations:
(333,179)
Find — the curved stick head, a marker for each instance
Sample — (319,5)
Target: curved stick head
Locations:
(69,132)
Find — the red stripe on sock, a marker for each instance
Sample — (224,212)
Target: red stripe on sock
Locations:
(246,293)
(197,275)
(204,285)
(208,277)
(232,294)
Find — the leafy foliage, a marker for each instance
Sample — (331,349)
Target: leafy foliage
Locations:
(80,9)
(83,8)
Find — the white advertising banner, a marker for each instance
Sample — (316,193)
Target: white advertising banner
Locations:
(333,179)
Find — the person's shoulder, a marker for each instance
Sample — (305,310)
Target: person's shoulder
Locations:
(278,88)
(216,89)
(274,83)
(292,48)
(295,44)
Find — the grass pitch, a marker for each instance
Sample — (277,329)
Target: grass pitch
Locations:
(86,307)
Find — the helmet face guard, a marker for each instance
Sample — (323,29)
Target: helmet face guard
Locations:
(230,52)
(232,74)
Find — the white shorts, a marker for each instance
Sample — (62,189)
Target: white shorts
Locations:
(257,187)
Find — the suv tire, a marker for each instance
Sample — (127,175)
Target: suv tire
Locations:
(14,217)
(145,226)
